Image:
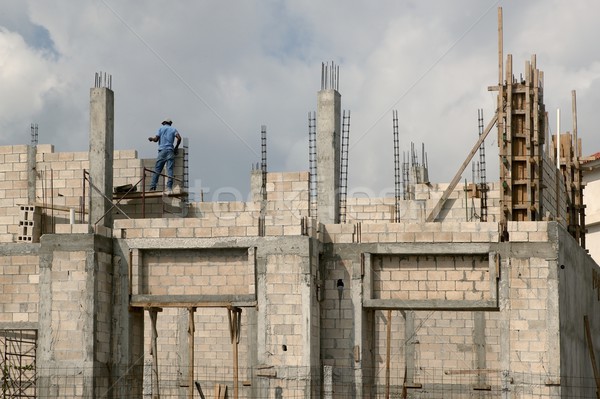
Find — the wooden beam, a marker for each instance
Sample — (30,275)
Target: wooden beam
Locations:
(191,330)
(388,354)
(438,207)
(234,332)
(196,301)
(154,352)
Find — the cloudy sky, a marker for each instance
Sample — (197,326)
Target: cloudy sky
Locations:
(220,70)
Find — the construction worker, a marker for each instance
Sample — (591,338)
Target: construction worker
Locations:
(165,137)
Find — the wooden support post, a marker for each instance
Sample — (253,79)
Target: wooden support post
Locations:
(588,336)
(154,352)
(234,332)
(191,330)
(388,354)
(220,391)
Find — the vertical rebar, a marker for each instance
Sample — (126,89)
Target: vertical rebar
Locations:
(263,184)
(34,134)
(483,188)
(312,160)
(397,175)
(344,164)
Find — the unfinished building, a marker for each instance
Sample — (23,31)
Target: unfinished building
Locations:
(110,291)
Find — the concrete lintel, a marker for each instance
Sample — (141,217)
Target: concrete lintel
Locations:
(416,248)
(185,301)
(75,242)
(288,244)
(399,304)
(19,325)
(19,248)
(526,250)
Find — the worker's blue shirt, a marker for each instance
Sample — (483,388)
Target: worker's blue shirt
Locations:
(166,137)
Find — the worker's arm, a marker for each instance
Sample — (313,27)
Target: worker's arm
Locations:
(178,138)
(153,138)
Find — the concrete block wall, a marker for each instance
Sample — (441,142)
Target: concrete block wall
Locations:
(59,183)
(426,196)
(68,294)
(433,277)
(196,272)
(438,348)
(13,189)
(441,345)
(104,306)
(213,350)
(284,333)
(374,232)
(19,285)
(337,313)
(287,198)
(216,219)
(579,296)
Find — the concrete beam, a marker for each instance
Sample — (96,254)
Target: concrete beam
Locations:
(197,301)
(433,304)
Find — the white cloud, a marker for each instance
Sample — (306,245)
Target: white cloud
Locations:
(223,70)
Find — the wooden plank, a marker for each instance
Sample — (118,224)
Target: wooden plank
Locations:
(234,333)
(191,330)
(388,354)
(154,352)
(57,207)
(220,391)
(438,207)
(199,389)
(197,301)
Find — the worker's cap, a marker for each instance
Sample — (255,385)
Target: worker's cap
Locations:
(167,120)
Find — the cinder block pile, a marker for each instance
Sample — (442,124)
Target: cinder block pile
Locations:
(30,224)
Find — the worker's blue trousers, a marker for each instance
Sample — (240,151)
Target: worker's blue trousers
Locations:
(168,157)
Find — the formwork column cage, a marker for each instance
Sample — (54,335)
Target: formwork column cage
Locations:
(521,139)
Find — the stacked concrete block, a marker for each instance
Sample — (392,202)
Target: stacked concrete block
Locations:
(30,224)
(127,168)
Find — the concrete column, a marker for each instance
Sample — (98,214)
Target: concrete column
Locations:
(75,319)
(328,155)
(101,153)
(31,173)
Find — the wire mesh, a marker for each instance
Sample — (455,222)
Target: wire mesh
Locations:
(299,382)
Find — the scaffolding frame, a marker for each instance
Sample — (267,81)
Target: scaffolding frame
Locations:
(18,363)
